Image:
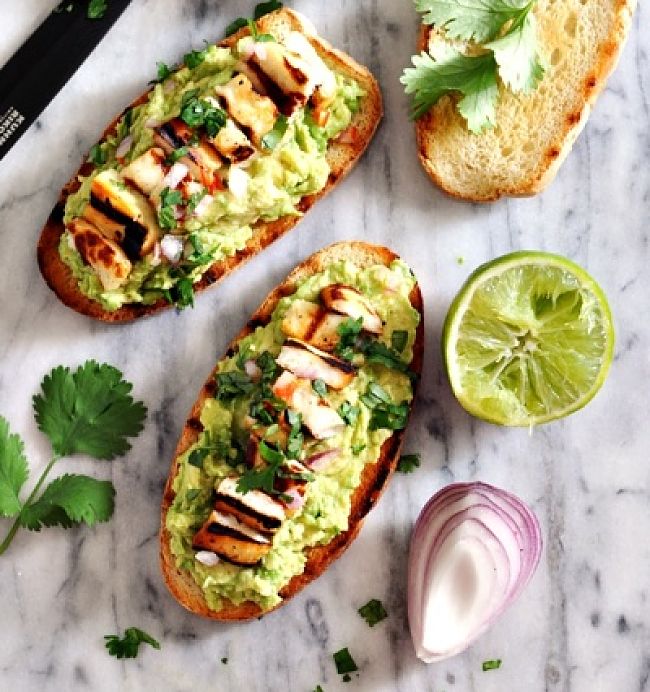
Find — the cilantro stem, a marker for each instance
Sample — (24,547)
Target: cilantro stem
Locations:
(16,525)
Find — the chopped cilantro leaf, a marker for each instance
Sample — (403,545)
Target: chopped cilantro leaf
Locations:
(384,413)
(196,112)
(97,155)
(373,612)
(169,199)
(295,439)
(127,646)
(319,387)
(192,494)
(398,340)
(272,139)
(197,457)
(235,26)
(318,689)
(194,58)
(357,449)
(164,72)
(193,201)
(176,154)
(344,662)
(264,8)
(491,664)
(263,479)
(266,363)
(232,384)
(96,9)
(408,463)
(184,293)
(348,332)
(349,413)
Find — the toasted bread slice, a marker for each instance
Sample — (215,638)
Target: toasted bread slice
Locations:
(342,154)
(521,155)
(374,476)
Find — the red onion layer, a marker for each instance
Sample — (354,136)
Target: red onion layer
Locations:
(473,550)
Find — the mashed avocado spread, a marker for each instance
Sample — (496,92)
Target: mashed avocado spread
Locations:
(289,164)
(325,511)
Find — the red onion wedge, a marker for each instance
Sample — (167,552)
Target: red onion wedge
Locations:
(320,461)
(473,549)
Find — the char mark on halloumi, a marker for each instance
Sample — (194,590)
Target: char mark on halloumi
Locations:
(305,360)
(105,256)
(254,508)
(231,540)
(313,324)
(122,214)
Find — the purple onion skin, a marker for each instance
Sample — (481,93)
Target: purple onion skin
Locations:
(515,516)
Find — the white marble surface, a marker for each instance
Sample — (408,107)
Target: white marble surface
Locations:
(583,623)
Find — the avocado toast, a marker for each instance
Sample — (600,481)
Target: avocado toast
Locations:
(338,347)
(219,159)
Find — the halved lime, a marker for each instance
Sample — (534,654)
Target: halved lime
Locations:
(528,339)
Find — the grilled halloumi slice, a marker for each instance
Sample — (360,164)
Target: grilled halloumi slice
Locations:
(321,420)
(307,361)
(350,302)
(325,91)
(254,509)
(147,172)
(122,214)
(231,142)
(285,76)
(106,257)
(231,540)
(313,324)
(256,114)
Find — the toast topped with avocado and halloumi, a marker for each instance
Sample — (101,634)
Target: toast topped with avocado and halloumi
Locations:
(294,435)
(220,158)
(530,132)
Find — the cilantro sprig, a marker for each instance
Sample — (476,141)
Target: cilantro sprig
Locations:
(128,645)
(88,411)
(506,33)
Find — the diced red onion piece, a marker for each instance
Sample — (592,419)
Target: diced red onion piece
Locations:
(124,147)
(207,558)
(171,247)
(252,369)
(320,461)
(473,549)
(203,205)
(152,122)
(176,173)
(297,499)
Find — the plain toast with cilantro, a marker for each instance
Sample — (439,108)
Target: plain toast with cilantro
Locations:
(533,132)
(342,154)
(374,476)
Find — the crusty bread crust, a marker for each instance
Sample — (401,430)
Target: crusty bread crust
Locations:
(475,177)
(374,476)
(341,156)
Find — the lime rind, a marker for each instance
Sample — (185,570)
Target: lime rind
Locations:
(528,339)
